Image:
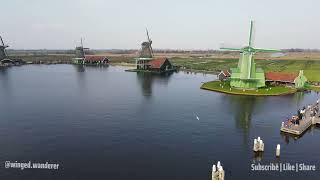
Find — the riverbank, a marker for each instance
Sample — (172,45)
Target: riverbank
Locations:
(224,87)
(205,64)
(314,88)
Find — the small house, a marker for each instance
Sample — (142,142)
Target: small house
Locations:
(160,65)
(297,80)
(224,75)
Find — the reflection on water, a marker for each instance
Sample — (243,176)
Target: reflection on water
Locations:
(297,98)
(100,116)
(243,107)
(257,156)
(146,81)
(5,84)
(79,68)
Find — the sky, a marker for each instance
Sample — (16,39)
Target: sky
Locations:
(172,24)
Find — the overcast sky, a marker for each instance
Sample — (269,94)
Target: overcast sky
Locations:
(174,24)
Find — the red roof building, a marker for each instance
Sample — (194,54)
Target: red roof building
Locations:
(224,75)
(281,77)
(160,64)
(157,63)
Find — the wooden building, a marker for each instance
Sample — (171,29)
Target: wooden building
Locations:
(160,65)
(297,80)
(224,75)
(83,59)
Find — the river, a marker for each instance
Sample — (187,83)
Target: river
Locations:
(104,123)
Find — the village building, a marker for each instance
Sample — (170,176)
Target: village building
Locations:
(94,60)
(297,80)
(83,59)
(224,75)
(160,65)
(4,59)
(148,63)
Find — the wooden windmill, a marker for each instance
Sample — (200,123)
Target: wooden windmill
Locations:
(80,51)
(3,53)
(145,54)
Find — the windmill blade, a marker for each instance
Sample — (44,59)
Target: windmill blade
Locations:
(150,42)
(151,50)
(1,41)
(231,49)
(4,50)
(148,36)
(266,50)
(250,33)
(83,49)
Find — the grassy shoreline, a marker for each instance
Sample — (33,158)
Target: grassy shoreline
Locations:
(314,88)
(210,65)
(224,87)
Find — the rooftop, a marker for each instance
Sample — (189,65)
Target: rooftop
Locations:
(281,76)
(157,63)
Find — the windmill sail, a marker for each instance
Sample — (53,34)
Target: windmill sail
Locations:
(1,41)
(146,48)
(80,53)
(3,52)
(150,42)
(250,35)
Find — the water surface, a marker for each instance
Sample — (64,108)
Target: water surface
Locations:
(104,123)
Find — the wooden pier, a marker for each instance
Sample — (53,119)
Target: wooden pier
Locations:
(311,116)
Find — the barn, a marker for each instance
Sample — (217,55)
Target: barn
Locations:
(297,80)
(160,65)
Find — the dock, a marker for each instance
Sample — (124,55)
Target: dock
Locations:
(310,116)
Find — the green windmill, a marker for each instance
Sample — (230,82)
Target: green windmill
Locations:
(246,75)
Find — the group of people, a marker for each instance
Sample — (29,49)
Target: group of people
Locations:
(315,109)
(301,114)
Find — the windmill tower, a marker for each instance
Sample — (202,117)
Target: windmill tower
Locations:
(80,51)
(146,48)
(3,53)
(246,75)
(80,54)
(145,54)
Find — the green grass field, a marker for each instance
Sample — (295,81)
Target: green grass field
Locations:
(311,67)
(267,91)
